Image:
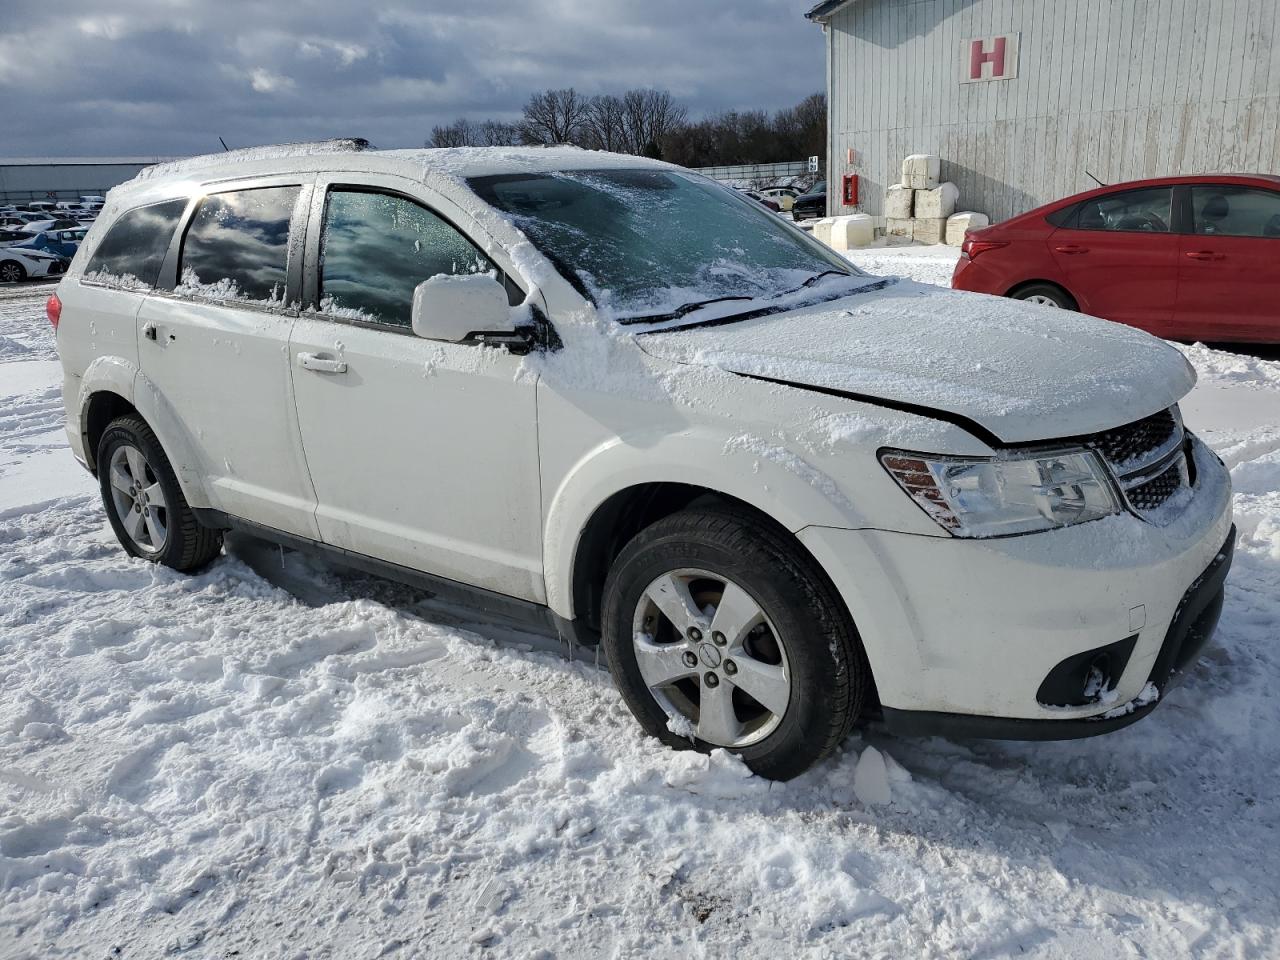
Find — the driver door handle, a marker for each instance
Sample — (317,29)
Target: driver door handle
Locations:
(1205,255)
(1071,249)
(311,361)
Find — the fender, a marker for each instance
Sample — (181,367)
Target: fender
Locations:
(105,374)
(756,470)
(116,375)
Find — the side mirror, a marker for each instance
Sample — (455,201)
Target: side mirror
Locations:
(453,307)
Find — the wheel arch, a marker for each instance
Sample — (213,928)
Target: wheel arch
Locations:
(113,387)
(630,510)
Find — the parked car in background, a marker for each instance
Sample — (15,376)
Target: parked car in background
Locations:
(42,226)
(811,204)
(784,197)
(21,263)
(763,200)
(20,218)
(10,236)
(62,243)
(1188,258)
(784,496)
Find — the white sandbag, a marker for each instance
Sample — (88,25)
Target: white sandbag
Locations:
(961,223)
(851,232)
(921,171)
(938,202)
(929,229)
(898,202)
(897,228)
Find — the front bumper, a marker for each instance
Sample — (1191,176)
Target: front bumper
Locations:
(1193,624)
(962,634)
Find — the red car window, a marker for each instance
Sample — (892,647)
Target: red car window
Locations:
(1140,211)
(1235,211)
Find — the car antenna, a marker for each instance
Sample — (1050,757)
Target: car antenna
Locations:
(224,145)
(1095,179)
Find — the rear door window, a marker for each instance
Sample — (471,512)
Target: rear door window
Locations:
(1235,211)
(237,247)
(1135,211)
(132,252)
(377,247)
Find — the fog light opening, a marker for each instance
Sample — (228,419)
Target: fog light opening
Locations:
(1097,680)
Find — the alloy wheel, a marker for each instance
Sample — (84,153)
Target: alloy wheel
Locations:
(711,658)
(1043,300)
(139,500)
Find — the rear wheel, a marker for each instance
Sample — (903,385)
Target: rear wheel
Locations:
(1046,295)
(720,632)
(144,503)
(11,271)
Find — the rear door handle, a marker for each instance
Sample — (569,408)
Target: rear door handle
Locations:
(149,330)
(1071,249)
(1205,255)
(311,361)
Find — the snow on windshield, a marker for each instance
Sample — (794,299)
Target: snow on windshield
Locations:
(644,242)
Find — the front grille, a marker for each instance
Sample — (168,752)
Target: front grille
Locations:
(1157,492)
(1125,445)
(57,267)
(1148,459)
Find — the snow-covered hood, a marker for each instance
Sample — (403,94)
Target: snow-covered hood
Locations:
(1020,372)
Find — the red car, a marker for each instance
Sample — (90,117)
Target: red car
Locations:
(1188,258)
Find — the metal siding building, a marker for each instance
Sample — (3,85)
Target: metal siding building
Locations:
(65,178)
(1124,89)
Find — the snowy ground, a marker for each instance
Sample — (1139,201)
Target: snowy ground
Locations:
(220,766)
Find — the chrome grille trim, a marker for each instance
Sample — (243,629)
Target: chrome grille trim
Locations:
(1148,459)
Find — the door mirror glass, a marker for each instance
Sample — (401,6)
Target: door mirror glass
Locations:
(452,307)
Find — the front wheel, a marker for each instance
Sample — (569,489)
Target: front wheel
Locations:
(144,503)
(721,632)
(11,271)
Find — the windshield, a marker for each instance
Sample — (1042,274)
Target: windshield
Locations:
(648,243)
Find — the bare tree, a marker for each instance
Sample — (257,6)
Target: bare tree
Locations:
(498,133)
(606,123)
(460,133)
(554,116)
(650,116)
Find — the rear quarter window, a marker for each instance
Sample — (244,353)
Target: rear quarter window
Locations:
(132,252)
(237,246)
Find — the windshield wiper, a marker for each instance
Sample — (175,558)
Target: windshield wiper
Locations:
(680,311)
(814,279)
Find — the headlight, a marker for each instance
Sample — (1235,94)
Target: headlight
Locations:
(1005,495)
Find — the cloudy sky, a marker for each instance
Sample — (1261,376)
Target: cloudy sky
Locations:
(160,77)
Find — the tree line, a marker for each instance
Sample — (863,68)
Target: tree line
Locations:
(650,123)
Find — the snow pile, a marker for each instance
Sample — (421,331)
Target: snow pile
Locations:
(277,759)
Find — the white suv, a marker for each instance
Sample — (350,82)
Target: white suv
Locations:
(614,402)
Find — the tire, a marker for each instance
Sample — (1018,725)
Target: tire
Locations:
(11,271)
(1045,294)
(799,641)
(135,478)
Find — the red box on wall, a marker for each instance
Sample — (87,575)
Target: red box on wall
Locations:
(849,191)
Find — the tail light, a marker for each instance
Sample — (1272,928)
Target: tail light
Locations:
(53,310)
(972,246)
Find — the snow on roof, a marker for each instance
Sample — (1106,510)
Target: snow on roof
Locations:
(456,163)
